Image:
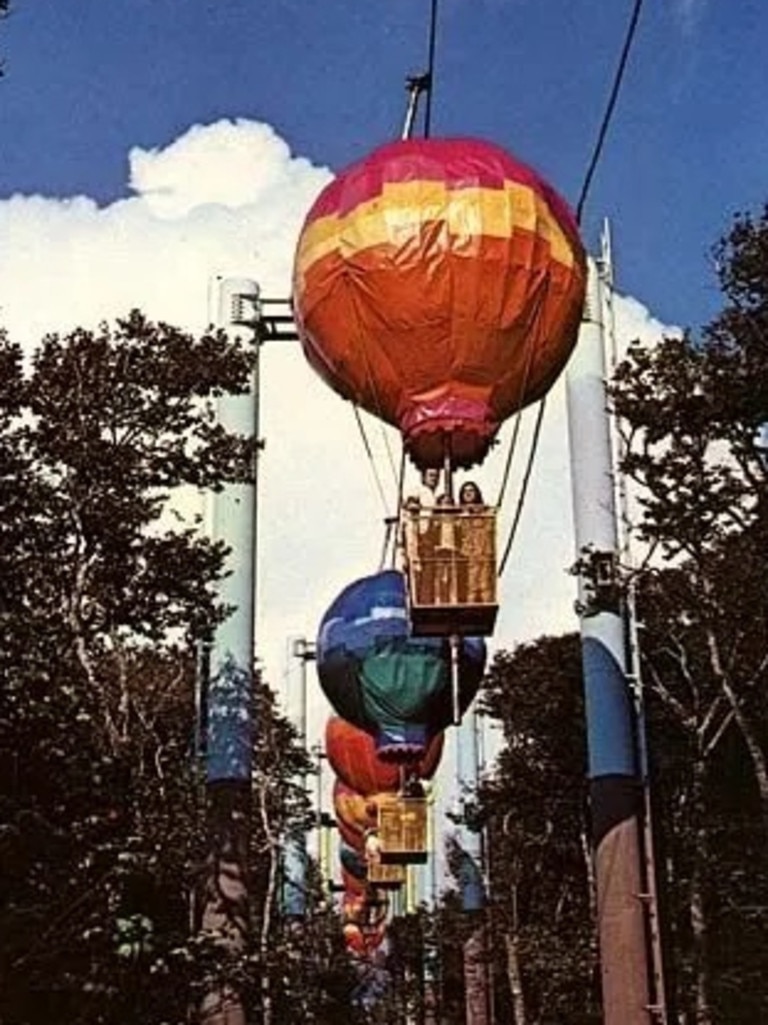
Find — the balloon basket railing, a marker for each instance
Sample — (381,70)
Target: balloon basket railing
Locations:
(450,566)
(402,831)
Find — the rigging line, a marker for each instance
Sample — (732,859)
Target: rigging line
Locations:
(523,385)
(607,116)
(380,416)
(524,486)
(392,535)
(392,524)
(369,453)
(370,377)
(391,460)
(430,68)
(510,455)
(377,411)
(401,478)
(389,530)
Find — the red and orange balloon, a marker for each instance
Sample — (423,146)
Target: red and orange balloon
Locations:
(439,283)
(352,756)
(356,813)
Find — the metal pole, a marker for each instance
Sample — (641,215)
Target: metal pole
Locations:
(455,644)
(415,84)
(615,790)
(659,988)
(473,896)
(295,860)
(230,727)
(324,822)
(229,704)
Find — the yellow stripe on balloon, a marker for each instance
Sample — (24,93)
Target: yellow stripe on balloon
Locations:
(403,207)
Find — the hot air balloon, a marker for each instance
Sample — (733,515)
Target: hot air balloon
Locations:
(353,862)
(364,942)
(352,755)
(356,814)
(354,939)
(353,907)
(439,283)
(378,676)
(367,909)
(351,883)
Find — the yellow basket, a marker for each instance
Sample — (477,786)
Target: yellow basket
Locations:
(403,830)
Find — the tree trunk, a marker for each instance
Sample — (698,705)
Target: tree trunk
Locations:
(703,1012)
(476,978)
(754,747)
(515,979)
(589,868)
(268,903)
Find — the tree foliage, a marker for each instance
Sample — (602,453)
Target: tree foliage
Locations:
(534,807)
(693,414)
(108,587)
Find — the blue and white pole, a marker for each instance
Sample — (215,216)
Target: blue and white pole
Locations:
(228,700)
(233,523)
(614,784)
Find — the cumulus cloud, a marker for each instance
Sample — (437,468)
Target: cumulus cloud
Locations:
(231,163)
(222,199)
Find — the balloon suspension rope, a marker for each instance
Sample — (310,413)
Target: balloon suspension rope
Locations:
(455,639)
(448,468)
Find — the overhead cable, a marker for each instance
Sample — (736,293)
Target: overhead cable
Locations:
(591,168)
(430,68)
(607,116)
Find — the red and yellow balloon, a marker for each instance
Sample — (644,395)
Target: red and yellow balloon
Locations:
(439,284)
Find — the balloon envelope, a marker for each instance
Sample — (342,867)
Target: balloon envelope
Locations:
(353,757)
(351,883)
(368,909)
(439,284)
(382,679)
(356,813)
(364,941)
(353,862)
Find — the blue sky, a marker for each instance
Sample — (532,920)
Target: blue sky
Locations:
(87,80)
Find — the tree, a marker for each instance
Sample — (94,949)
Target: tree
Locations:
(534,806)
(110,588)
(692,415)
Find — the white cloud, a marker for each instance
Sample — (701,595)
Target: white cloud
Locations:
(231,163)
(226,199)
